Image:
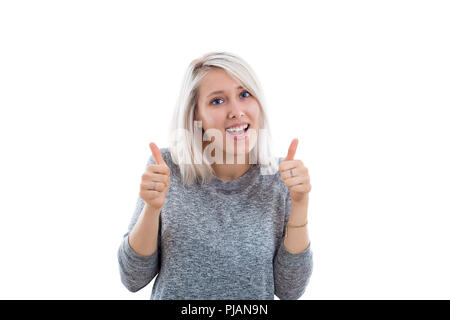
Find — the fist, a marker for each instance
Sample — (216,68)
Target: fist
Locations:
(155,181)
(295,175)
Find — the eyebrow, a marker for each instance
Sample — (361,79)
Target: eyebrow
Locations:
(221,91)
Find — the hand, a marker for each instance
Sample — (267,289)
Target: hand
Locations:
(155,181)
(298,182)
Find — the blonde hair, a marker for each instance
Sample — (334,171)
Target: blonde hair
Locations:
(182,148)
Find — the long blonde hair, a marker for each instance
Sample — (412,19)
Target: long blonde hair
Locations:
(182,148)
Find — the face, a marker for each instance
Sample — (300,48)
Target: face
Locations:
(223,110)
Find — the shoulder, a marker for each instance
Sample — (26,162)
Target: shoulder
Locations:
(165,152)
(272,177)
(281,159)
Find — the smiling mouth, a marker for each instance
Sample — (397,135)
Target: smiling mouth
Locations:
(237,133)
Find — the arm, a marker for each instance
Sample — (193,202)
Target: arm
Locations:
(143,239)
(298,240)
(139,252)
(293,262)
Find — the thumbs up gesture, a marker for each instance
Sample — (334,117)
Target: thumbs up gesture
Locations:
(295,175)
(155,181)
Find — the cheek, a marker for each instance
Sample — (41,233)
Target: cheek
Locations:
(255,115)
(216,120)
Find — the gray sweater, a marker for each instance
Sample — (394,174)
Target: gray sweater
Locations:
(222,240)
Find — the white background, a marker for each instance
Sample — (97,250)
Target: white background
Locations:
(364,86)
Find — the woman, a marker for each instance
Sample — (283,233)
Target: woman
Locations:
(213,229)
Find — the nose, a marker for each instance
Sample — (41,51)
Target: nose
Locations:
(235,110)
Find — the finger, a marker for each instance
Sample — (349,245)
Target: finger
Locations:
(294,181)
(301,188)
(153,186)
(292,150)
(296,170)
(286,174)
(155,177)
(291,164)
(149,194)
(158,168)
(156,153)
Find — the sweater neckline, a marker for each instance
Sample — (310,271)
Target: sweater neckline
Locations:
(237,185)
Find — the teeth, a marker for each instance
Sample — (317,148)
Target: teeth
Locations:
(237,128)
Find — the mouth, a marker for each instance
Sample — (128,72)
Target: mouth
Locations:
(238,133)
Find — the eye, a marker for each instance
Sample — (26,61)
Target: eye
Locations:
(212,102)
(242,93)
(246,92)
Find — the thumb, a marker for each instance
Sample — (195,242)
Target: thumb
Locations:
(292,150)
(156,154)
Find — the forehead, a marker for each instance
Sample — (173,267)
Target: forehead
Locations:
(217,79)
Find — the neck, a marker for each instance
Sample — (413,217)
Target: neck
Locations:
(229,172)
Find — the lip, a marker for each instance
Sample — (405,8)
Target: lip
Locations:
(237,125)
(236,137)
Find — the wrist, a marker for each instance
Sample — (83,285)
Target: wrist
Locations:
(299,213)
(151,211)
(298,221)
(302,201)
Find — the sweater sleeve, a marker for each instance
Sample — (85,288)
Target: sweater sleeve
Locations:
(291,271)
(136,271)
